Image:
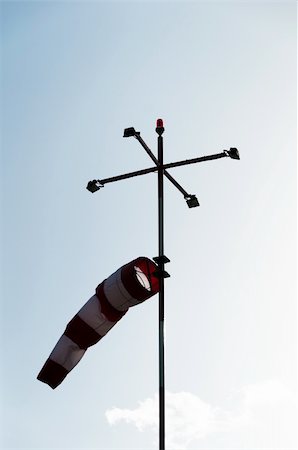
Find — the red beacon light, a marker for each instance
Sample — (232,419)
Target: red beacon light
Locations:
(159,127)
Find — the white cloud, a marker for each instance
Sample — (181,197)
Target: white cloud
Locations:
(146,415)
(188,418)
(269,392)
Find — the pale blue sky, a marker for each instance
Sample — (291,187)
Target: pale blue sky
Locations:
(74,75)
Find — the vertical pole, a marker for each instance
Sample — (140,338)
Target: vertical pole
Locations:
(160,130)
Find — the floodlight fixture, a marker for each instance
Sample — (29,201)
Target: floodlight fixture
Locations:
(232,153)
(128,132)
(192,201)
(94,186)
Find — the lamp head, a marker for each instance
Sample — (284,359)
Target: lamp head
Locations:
(192,201)
(232,153)
(94,186)
(128,132)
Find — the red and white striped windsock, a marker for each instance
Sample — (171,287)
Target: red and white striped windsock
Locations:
(128,286)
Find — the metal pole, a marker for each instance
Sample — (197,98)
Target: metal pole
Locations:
(161,261)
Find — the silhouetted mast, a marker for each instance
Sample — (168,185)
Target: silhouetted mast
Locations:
(161,259)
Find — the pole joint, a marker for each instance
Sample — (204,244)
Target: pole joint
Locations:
(160,272)
(161,259)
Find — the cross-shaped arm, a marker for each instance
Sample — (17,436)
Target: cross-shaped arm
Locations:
(191,199)
(187,196)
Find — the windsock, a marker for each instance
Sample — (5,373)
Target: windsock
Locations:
(130,285)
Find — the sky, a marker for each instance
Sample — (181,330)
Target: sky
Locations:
(220,75)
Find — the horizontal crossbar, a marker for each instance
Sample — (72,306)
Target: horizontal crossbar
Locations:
(165,166)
